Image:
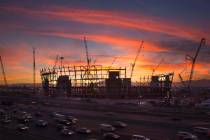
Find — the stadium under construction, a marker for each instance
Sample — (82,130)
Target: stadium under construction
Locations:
(98,81)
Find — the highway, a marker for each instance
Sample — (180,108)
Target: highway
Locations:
(154,127)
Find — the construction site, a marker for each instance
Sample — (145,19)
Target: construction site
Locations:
(93,80)
(97,94)
(100,81)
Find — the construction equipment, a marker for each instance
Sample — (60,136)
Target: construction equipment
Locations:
(133,65)
(181,79)
(87,73)
(56,61)
(61,60)
(156,67)
(87,54)
(193,60)
(3,72)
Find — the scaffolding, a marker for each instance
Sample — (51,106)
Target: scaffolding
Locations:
(80,76)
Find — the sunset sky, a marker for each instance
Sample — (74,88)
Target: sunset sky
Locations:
(113,28)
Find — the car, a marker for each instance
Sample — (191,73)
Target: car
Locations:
(119,124)
(66,132)
(23,120)
(65,122)
(5,120)
(72,119)
(57,115)
(111,136)
(83,130)
(185,136)
(204,104)
(25,115)
(38,114)
(41,123)
(202,130)
(22,127)
(107,127)
(61,126)
(139,137)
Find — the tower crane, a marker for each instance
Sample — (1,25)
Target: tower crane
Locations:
(157,66)
(87,71)
(61,60)
(182,81)
(133,65)
(193,60)
(87,54)
(56,61)
(3,72)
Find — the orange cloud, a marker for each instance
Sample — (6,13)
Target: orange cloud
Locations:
(111,40)
(116,19)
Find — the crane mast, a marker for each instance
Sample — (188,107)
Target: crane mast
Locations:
(133,65)
(193,59)
(56,61)
(3,72)
(154,69)
(182,81)
(87,54)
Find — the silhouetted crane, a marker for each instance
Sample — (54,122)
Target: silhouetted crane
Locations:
(3,72)
(133,65)
(87,71)
(181,79)
(156,67)
(193,59)
(56,61)
(87,54)
(61,60)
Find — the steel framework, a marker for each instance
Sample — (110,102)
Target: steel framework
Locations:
(78,74)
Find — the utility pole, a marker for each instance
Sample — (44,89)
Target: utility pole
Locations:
(34,71)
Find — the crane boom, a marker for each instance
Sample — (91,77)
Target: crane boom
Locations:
(194,61)
(155,68)
(3,72)
(133,65)
(56,61)
(87,54)
(182,81)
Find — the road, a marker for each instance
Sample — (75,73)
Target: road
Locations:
(154,127)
